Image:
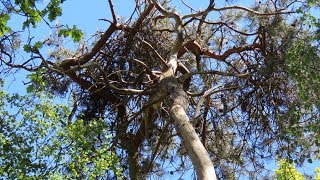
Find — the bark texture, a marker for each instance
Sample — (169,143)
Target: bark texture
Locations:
(178,101)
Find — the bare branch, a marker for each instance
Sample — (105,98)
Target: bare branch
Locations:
(187,5)
(96,48)
(195,48)
(203,91)
(205,95)
(66,64)
(160,139)
(114,16)
(143,15)
(146,106)
(251,11)
(120,90)
(163,62)
(225,24)
(212,8)
(190,74)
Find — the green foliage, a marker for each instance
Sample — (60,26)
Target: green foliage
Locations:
(73,32)
(303,65)
(38,141)
(3,24)
(86,150)
(54,9)
(317,174)
(287,171)
(37,82)
(35,12)
(35,15)
(308,17)
(33,48)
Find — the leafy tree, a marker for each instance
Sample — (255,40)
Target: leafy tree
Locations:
(229,86)
(37,143)
(287,170)
(317,173)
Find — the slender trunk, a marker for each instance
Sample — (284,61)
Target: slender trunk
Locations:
(134,168)
(130,142)
(133,156)
(178,103)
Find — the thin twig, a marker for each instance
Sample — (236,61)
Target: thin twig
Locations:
(163,62)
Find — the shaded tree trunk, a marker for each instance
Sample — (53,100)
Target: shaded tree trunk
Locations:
(134,168)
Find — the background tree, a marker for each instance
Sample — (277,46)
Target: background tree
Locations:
(37,144)
(287,170)
(247,78)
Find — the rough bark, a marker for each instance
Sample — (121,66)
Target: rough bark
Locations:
(130,143)
(178,101)
(134,168)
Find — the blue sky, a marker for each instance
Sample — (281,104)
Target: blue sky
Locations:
(86,14)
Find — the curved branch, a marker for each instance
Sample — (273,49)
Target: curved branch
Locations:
(220,90)
(173,57)
(190,74)
(225,24)
(66,64)
(196,49)
(251,11)
(205,95)
(163,62)
(96,48)
(212,8)
(106,80)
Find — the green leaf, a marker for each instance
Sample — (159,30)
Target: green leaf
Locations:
(35,48)
(64,32)
(3,24)
(75,33)
(54,10)
(30,89)
(37,45)
(312,3)
(27,48)
(287,170)
(299,10)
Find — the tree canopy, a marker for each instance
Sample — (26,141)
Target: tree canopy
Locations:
(220,90)
(287,170)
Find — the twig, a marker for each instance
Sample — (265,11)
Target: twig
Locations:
(190,74)
(205,95)
(155,51)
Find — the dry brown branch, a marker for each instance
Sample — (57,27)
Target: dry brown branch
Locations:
(212,8)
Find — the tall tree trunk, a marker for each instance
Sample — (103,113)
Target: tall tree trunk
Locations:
(134,168)
(132,147)
(178,103)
